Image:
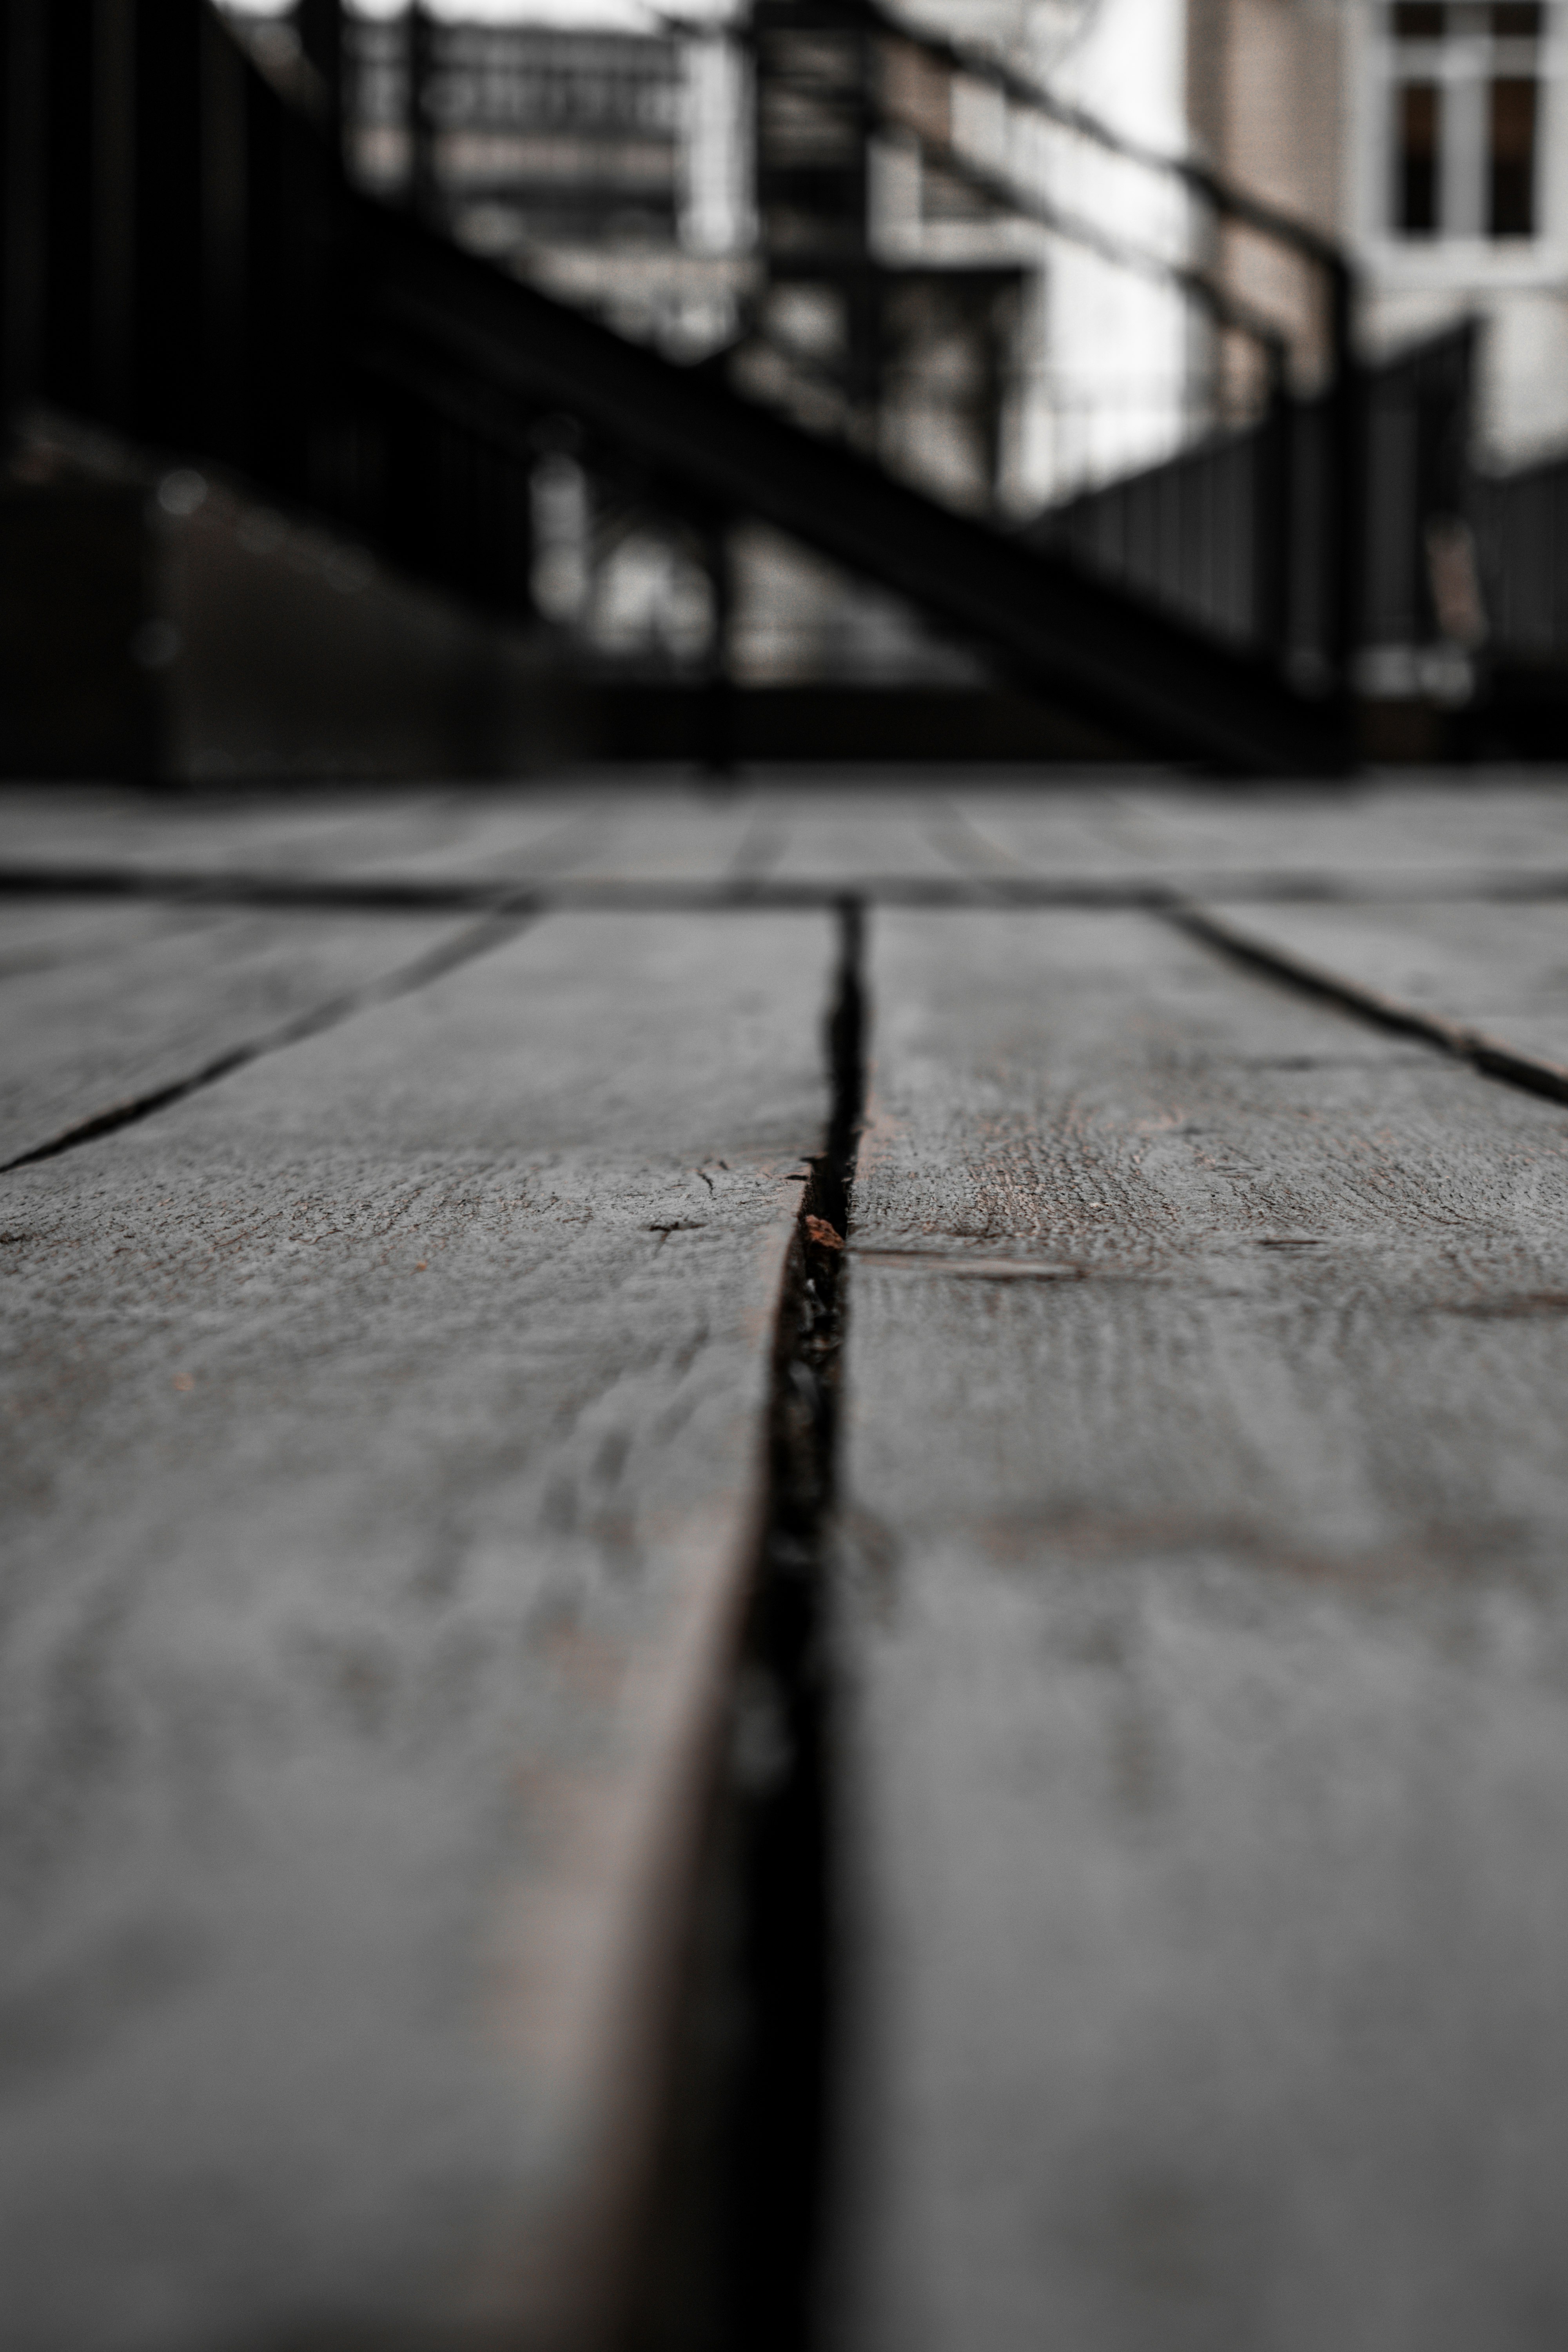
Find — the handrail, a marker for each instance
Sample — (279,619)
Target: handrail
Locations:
(1223,307)
(342,353)
(1231,203)
(1235,203)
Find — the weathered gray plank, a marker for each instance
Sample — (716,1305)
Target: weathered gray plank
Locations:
(1488,980)
(592,831)
(105,1002)
(497,836)
(324,832)
(598,831)
(590,834)
(1500,819)
(668,837)
(1492,824)
(1080,831)
(840,835)
(835,832)
(389,1447)
(1206,1642)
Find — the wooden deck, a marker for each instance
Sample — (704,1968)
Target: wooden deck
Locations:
(624,1723)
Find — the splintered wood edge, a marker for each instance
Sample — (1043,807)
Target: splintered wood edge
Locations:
(587,1961)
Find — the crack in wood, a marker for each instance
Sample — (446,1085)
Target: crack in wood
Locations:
(733,2252)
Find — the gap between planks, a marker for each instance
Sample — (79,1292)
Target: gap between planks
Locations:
(963,892)
(1492,1055)
(482,936)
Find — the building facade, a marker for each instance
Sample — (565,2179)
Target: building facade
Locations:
(1432,137)
(977,247)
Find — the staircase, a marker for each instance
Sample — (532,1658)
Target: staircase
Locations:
(184,263)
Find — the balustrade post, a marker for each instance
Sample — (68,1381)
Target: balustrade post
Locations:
(321,25)
(23,122)
(423,190)
(1273,492)
(1346,505)
(718,713)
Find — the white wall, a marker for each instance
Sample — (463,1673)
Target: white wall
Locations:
(1113,352)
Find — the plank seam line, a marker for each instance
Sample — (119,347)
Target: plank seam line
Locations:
(1490,1055)
(750,893)
(405,980)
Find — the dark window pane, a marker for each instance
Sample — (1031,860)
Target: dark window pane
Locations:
(1416,159)
(1516,20)
(1419,20)
(1512,191)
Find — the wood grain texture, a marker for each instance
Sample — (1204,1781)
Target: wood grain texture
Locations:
(1205,1643)
(387,1426)
(104,1002)
(1487,979)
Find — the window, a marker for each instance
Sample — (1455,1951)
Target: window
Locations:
(1465,117)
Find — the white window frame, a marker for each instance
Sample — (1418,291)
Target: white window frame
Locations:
(1460,253)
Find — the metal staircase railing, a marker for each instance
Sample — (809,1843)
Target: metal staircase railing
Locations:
(1300,470)
(182,260)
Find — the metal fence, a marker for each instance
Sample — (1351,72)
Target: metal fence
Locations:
(1229,534)
(1522,525)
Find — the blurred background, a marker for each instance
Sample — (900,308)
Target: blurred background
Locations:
(1254,314)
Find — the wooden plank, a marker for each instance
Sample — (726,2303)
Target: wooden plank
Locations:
(444,836)
(117,827)
(1477,820)
(1490,981)
(839,835)
(833,833)
(392,1450)
(1492,826)
(594,832)
(591,835)
(833,836)
(518,833)
(1206,1639)
(103,1006)
(694,837)
(1080,831)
